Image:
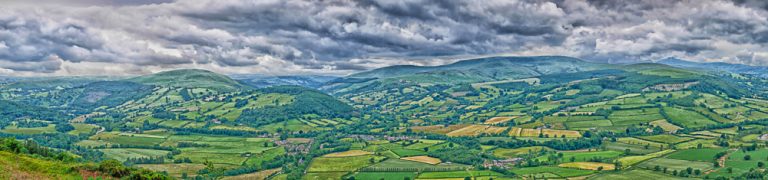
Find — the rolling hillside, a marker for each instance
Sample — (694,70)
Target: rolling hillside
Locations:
(466,71)
(555,117)
(760,71)
(190,78)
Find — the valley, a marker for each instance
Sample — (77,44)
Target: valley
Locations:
(539,117)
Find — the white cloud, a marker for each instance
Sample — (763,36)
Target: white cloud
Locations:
(341,37)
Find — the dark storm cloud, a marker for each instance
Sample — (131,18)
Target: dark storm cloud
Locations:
(339,36)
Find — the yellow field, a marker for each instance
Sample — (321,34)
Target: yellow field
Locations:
(515,131)
(530,132)
(424,159)
(474,130)
(669,127)
(438,129)
(495,130)
(498,120)
(559,133)
(348,153)
(588,165)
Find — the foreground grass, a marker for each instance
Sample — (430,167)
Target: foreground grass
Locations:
(16,166)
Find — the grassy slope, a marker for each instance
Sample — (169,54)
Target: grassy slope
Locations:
(190,78)
(15,166)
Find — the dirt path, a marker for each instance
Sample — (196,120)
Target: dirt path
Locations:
(721,161)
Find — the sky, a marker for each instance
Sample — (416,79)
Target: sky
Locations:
(339,37)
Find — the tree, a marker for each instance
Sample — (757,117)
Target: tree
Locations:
(747,157)
(627,151)
(697,172)
(760,164)
(573,158)
(600,168)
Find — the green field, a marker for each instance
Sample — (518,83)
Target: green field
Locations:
(584,156)
(675,164)
(510,153)
(82,128)
(635,174)
(457,174)
(405,165)
(121,154)
(408,152)
(557,171)
(687,118)
(665,138)
(636,141)
(384,175)
(323,175)
(632,160)
(37,130)
(737,162)
(633,148)
(265,156)
(341,164)
(705,155)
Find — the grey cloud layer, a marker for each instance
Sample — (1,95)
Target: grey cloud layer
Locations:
(340,36)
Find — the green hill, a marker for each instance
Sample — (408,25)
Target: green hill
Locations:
(485,69)
(190,78)
(466,71)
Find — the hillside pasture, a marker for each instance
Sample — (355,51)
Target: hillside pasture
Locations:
(582,156)
(340,164)
(588,165)
(666,138)
(548,171)
(635,149)
(632,160)
(675,164)
(687,118)
(385,175)
(636,141)
(704,155)
(122,154)
(348,153)
(635,174)
(511,153)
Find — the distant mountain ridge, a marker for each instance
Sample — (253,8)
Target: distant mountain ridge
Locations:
(490,67)
(262,81)
(466,71)
(190,78)
(760,71)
